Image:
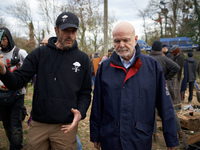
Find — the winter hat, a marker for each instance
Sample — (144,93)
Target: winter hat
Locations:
(157,46)
(67,20)
(175,50)
(96,55)
(164,45)
(190,54)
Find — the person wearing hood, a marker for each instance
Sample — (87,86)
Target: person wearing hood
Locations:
(14,113)
(128,87)
(190,67)
(62,92)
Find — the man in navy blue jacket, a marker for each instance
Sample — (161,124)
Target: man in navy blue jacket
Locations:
(62,90)
(129,85)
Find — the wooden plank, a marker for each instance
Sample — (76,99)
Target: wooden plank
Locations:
(189,122)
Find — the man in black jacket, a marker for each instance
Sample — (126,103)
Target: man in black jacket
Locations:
(62,90)
(170,68)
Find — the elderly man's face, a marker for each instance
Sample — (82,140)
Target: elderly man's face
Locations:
(124,42)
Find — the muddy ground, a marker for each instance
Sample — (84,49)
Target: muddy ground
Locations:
(83,131)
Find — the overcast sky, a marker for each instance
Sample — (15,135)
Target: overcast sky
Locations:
(123,10)
(127,10)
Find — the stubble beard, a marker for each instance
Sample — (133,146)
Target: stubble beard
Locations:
(121,51)
(62,42)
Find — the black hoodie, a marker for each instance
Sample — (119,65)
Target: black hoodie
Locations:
(11,43)
(63,82)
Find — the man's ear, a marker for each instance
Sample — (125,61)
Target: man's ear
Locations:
(56,30)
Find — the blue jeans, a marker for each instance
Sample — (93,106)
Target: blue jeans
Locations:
(195,83)
(93,80)
(79,145)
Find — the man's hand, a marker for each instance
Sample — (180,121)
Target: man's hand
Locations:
(170,148)
(2,66)
(97,145)
(77,118)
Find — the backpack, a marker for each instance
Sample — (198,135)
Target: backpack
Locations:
(14,60)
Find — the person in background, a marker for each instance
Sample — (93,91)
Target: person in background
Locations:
(128,87)
(170,68)
(166,52)
(92,70)
(14,113)
(198,72)
(177,79)
(62,92)
(189,75)
(44,41)
(110,51)
(164,49)
(95,62)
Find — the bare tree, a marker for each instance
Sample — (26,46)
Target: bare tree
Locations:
(86,10)
(2,22)
(49,10)
(144,15)
(22,11)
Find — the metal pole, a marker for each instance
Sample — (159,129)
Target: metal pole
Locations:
(105,27)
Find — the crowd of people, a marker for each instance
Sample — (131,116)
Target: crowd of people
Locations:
(129,89)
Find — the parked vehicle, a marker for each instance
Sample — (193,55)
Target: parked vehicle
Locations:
(144,46)
(184,43)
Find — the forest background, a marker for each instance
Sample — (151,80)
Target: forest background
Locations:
(167,18)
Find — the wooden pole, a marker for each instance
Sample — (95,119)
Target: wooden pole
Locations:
(105,27)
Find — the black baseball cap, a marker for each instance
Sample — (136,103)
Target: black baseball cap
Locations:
(67,20)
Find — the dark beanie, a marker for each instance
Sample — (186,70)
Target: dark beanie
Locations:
(175,50)
(157,46)
(96,54)
(190,54)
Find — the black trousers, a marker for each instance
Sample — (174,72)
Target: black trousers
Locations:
(12,117)
(191,87)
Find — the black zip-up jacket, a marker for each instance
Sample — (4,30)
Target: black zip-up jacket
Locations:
(63,82)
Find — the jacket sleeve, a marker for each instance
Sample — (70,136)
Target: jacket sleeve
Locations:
(172,68)
(84,95)
(166,110)
(21,76)
(95,117)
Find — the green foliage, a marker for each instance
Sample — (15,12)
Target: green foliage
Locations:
(28,102)
(26,131)
(196,56)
